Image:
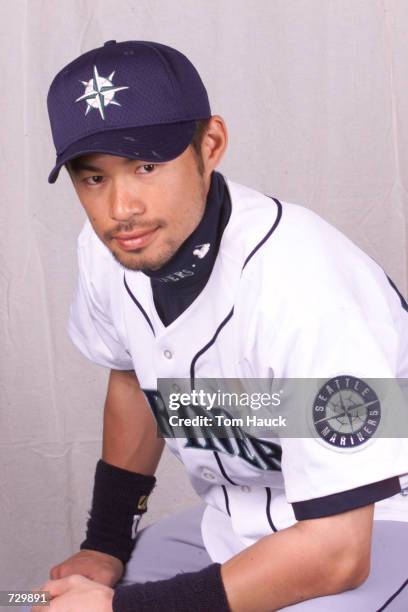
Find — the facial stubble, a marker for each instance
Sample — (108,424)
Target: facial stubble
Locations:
(135,261)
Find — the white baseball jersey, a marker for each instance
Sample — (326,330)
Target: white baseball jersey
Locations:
(289,297)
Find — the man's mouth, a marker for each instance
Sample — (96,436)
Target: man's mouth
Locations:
(135,240)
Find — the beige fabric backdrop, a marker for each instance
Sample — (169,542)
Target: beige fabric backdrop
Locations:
(315,95)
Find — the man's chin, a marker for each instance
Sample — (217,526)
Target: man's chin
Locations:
(136,262)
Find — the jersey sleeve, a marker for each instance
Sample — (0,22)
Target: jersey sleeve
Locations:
(90,324)
(338,361)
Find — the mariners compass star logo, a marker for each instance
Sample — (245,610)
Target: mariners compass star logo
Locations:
(346,412)
(99,92)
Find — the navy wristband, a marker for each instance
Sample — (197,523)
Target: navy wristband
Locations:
(193,591)
(119,500)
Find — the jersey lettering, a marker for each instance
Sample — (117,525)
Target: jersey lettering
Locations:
(230,439)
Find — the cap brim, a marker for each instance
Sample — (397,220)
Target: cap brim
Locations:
(152,143)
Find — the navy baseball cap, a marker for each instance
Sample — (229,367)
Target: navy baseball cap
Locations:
(135,99)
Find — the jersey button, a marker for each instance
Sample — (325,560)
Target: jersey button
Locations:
(176,388)
(208,475)
(246,489)
(168,354)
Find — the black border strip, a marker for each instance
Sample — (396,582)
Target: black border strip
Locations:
(268,508)
(386,604)
(138,304)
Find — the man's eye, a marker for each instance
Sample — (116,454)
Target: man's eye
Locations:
(147,168)
(93,180)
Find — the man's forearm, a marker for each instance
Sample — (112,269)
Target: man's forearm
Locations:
(299,563)
(124,478)
(130,439)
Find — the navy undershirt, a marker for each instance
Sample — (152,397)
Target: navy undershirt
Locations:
(177,284)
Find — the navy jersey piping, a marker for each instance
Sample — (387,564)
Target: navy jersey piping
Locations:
(268,509)
(138,304)
(207,346)
(265,238)
(393,596)
(231,312)
(403,301)
(227,506)
(220,327)
(222,470)
(346,500)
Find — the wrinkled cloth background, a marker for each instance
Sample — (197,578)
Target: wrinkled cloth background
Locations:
(315,94)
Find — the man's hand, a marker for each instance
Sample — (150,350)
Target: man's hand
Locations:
(77,593)
(97,566)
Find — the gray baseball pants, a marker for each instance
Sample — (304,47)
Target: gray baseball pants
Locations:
(174,545)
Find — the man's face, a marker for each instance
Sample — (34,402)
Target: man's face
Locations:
(142,211)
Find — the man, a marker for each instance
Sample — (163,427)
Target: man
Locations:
(184,275)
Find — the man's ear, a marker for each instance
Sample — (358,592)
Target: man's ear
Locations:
(214,143)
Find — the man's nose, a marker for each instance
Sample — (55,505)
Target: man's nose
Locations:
(125,201)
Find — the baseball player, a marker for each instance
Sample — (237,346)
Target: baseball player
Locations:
(186,276)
